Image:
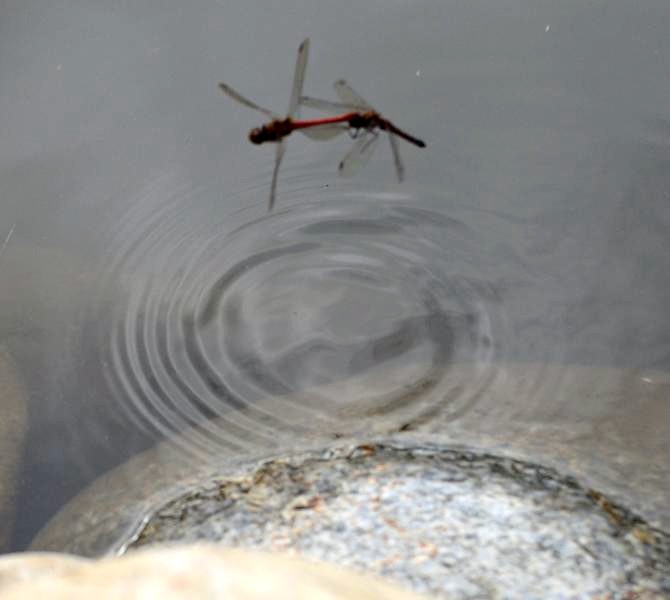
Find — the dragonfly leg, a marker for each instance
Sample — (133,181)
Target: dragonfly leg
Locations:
(374,133)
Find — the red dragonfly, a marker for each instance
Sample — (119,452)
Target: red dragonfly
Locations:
(278,128)
(356,116)
(364,121)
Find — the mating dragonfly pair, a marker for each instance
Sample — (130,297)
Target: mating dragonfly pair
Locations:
(352,114)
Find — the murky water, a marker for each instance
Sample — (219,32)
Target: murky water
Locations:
(516,285)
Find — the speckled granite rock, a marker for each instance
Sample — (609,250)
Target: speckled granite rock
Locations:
(187,572)
(446,522)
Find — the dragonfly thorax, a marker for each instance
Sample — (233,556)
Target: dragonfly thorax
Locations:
(366,120)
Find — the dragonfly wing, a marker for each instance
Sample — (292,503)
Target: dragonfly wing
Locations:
(279,155)
(359,154)
(298,77)
(347,94)
(325,132)
(399,168)
(226,89)
(328,105)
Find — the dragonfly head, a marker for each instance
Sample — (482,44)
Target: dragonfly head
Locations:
(258,135)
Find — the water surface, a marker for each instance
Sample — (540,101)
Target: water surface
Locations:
(145,291)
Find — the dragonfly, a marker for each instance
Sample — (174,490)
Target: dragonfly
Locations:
(365,121)
(280,127)
(355,115)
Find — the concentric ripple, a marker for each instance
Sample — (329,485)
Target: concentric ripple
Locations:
(330,317)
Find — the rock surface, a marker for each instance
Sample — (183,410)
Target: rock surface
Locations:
(444,521)
(29,567)
(185,572)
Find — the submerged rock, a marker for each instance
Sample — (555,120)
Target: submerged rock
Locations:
(13,426)
(549,500)
(604,426)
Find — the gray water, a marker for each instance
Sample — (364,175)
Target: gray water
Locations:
(144,289)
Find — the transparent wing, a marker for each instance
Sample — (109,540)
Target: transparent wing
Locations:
(325,132)
(226,89)
(279,155)
(399,168)
(328,105)
(298,77)
(359,154)
(347,94)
